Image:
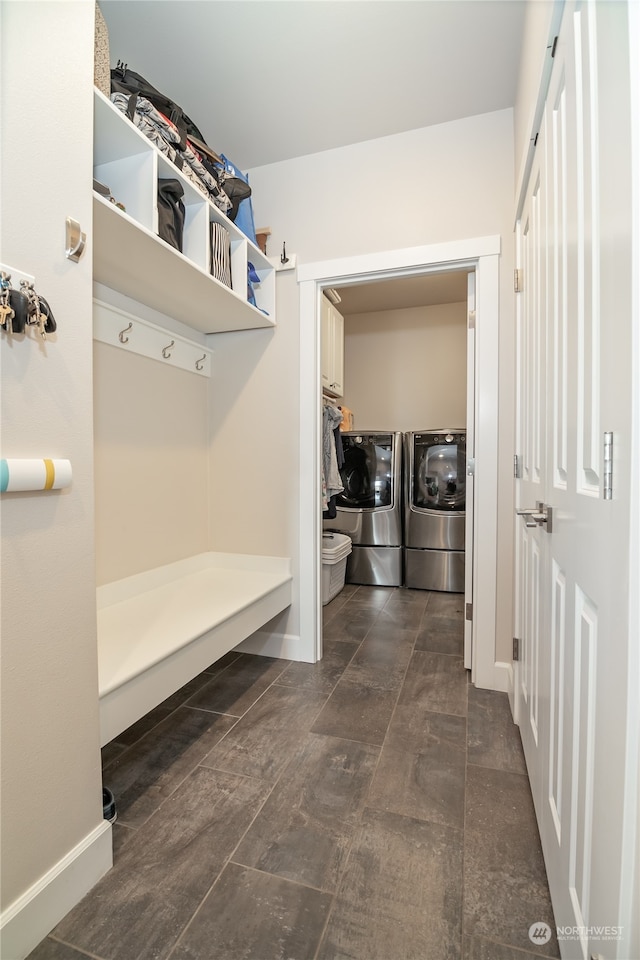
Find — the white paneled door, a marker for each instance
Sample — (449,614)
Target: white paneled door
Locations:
(469,545)
(572,532)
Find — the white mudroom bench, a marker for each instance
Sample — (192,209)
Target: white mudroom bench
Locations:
(159,629)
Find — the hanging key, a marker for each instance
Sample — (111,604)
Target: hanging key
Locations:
(42,322)
(7,313)
(35,314)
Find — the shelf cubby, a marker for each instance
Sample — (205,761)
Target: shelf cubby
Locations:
(130,257)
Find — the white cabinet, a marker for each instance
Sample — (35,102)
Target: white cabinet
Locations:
(129,256)
(332,352)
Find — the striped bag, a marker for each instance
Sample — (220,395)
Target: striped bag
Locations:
(220,253)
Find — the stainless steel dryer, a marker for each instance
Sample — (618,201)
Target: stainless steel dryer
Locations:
(435,475)
(369,510)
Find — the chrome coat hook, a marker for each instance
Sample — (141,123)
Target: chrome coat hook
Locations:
(166,350)
(200,362)
(121,336)
(75,240)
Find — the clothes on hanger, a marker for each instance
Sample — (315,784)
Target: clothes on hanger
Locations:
(331,480)
(332,507)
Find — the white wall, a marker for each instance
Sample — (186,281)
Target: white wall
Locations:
(151,463)
(254,426)
(407,369)
(51,779)
(151,446)
(453,181)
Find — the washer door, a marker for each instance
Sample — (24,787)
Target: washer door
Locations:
(366,473)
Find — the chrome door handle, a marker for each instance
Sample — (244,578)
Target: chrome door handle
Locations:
(542,513)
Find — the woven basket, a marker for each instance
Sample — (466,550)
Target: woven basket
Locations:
(101,66)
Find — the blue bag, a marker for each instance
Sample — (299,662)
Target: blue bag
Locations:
(244,217)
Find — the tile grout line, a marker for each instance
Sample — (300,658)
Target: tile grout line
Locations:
(253,819)
(79,950)
(365,805)
(229,859)
(193,915)
(356,825)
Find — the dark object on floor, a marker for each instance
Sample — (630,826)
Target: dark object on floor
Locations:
(109,811)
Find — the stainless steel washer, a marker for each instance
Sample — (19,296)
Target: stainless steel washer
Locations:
(369,510)
(435,490)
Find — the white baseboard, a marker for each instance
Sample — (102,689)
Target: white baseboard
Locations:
(34,914)
(286,646)
(504,671)
(511,687)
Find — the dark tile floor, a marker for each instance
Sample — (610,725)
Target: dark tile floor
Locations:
(373,806)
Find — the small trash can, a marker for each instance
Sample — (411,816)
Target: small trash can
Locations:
(109,805)
(336,547)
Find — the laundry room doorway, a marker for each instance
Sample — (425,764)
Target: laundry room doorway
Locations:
(405,383)
(476,260)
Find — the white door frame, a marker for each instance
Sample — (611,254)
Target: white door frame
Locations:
(482,254)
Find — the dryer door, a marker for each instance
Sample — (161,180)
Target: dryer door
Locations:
(436,490)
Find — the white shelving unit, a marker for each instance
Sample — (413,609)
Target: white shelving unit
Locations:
(128,255)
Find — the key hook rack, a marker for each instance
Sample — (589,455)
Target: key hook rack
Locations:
(22,307)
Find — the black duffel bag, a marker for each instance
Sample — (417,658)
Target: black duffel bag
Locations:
(126,81)
(171,212)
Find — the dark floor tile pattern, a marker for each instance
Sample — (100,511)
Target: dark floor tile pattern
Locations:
(304,830)
(151,770)
(401,892)
(372,806)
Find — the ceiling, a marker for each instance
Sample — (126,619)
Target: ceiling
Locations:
(269,80)
(421,291)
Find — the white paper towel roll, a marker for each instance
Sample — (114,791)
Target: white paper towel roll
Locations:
(22,475)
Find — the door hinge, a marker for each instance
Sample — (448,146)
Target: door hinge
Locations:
(472,319)
(517,281)
(517,466)
(608,466)
(469,611)
(516,648)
